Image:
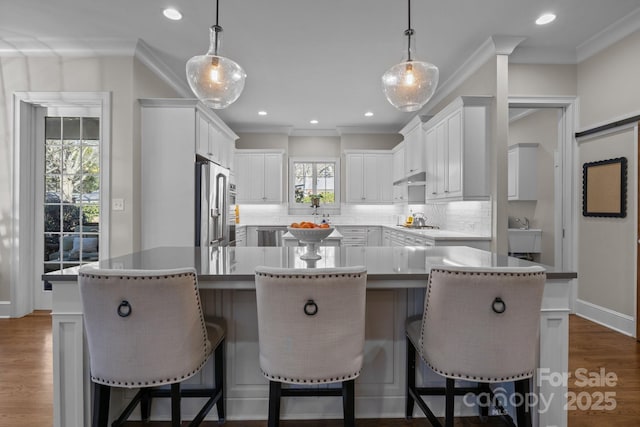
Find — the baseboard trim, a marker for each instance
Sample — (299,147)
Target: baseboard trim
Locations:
(619,322)
(5,309)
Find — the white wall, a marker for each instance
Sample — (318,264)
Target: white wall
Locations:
(608,89)
(607,246)
(542,79)
(608,83)
(56,74)
(541,127)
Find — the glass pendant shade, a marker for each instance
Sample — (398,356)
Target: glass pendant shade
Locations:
(217,81)
(409,85)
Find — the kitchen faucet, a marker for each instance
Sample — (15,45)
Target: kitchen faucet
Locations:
(523,225)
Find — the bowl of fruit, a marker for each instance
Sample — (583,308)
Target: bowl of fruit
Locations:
(311,235)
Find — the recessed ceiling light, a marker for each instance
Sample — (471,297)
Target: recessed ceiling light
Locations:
(262,113)
(313,122)
(172,14)
(545,19)
(368,114)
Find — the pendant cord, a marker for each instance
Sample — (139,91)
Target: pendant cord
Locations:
(409,32)
(217,28)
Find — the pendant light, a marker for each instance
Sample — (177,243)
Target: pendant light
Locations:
(410,84)
(217,81)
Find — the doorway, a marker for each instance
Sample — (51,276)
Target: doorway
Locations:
(534,171)
(38,188)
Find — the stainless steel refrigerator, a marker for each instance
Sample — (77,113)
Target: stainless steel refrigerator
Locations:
(213,222)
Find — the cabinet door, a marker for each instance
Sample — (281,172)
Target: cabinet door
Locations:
(441,160)
(431,162)
(454,155)
(215,143)
(371,178)
(414,151)
(384,170)
(374,236)
(272,178)
(355,183)
(398,164)
(243,177)
(202,135)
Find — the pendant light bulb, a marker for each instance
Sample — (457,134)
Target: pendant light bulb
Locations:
(410,84)
(216,81)
(409,78)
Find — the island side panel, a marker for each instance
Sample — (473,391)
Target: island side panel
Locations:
(380,388)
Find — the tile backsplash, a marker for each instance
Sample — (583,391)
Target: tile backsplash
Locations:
(468,217)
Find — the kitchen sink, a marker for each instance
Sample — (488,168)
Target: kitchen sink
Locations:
(524,241)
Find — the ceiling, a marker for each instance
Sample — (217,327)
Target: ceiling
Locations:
(311,59)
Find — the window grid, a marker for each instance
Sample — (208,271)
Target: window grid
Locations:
(72,191)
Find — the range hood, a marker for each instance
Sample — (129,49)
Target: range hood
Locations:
(419,178)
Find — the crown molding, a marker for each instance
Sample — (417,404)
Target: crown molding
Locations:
(373,129)
(31,46)
(144,54)
(488,49)
(543,55)
(610,35)
(314,132)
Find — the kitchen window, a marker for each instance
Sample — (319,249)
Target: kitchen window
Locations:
(314,178)
(72,191)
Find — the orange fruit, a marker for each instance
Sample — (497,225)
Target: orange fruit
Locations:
(324,225)
(295,225)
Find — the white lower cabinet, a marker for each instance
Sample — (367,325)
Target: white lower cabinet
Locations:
(374,236)
(353,235)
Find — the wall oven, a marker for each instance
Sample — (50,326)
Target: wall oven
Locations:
(231,217)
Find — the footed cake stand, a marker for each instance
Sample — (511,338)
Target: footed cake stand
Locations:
(311,237)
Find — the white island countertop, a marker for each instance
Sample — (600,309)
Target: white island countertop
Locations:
(221,266)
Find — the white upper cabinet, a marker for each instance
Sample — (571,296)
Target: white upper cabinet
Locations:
(523,169)
(369,176)
(173,131)
(212,143)
(400,193)
(457,151)
(259,176)
(414,147)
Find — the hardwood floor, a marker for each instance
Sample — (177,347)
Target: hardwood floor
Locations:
(26,379)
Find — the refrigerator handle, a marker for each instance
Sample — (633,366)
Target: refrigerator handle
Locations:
(218,212)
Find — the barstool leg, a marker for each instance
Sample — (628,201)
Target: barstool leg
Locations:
(523,412)
(275,389)
(449,402)
(176,417)
(411,378)
(101,394)
(348,403)
(145,405)
(219,380)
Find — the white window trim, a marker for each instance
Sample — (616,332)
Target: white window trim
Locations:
(333,208)
(23,181)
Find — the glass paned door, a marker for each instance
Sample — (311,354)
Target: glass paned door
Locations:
(72,191)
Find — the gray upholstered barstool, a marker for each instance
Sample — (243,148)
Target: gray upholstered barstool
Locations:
(145,329)
(479,325)
(311,331)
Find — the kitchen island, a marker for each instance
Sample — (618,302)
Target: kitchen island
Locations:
(396,279)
